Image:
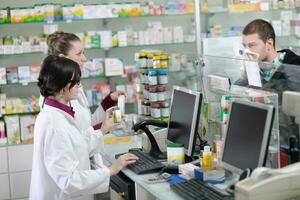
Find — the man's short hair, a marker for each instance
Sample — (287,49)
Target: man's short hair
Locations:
(263,28)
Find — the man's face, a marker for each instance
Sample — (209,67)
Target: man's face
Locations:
(257,45)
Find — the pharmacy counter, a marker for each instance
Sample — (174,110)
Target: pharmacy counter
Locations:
(143,190)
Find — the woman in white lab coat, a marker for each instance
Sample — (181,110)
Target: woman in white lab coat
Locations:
(61,165)
(69,45)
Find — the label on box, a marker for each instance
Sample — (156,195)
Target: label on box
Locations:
(2,75)
(218,82)
(113,67)
(27,126)
(24,74)
(106,39)
(13,129)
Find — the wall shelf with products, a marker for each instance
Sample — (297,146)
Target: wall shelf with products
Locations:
(174,17)
(110,48)
(20,113)
(53,12)
(237,15)
(94,19)
(135,26)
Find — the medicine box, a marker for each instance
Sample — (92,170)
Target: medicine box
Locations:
(12,129)
(27,127)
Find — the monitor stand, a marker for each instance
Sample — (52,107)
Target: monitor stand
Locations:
(191,159)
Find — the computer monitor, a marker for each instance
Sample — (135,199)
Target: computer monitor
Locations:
(247,137)
(184,118)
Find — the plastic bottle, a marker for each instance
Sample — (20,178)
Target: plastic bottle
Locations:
(294,151)
(217,149)
(207,158)
(117,116)
(121,104)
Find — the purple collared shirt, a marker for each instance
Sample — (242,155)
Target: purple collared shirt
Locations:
(106,103)
(60,106)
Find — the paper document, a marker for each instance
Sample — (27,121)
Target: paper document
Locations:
(253,74)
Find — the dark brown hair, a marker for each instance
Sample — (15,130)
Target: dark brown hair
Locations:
(263,28)
(60,42)
(56,73)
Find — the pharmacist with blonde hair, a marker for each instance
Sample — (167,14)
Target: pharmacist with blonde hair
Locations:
(69,45)
(61,165)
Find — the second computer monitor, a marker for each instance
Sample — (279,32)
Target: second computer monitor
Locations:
(184,118)
(247,137)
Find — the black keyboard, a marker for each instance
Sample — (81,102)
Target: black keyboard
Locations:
(197,189)
(145,163)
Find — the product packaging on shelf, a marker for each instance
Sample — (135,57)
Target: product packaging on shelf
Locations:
(12,74)
(27,127)
(24,74)
(153,66)
(2,75)
(113,67)
(34,72)
(12,129)
(3,138)
(3,16)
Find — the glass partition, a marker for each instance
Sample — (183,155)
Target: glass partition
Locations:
(255,81)
(226,79)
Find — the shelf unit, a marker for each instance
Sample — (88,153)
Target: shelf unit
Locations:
(107,50)
(114,24)
(218,14)
(15,160)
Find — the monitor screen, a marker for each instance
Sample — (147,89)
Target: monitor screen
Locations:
(184,118)
(247,136)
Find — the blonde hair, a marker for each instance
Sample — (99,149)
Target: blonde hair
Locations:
(60,42)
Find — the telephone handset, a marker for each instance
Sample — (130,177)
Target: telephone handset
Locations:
(274,184)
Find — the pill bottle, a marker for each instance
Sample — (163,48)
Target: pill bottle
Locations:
(155,110)
(163,76)
(161,93)
(152,77)
(117,116)
(153,93)
(175,153)
(207,158)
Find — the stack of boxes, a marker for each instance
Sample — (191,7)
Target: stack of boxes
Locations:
(15,129)
(153,33)
(49,12)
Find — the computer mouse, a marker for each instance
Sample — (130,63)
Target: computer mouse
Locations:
(171,169)
(260,173)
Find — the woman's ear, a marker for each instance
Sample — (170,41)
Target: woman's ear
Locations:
(61,93)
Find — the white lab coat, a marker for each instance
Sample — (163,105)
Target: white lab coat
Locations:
(83,116)
(61,165)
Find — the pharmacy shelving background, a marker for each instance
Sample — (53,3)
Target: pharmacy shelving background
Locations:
(110,42)
(284,16)
(122,36)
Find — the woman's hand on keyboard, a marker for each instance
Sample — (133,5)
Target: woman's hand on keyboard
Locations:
(122,162)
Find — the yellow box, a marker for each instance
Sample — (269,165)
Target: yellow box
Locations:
(244,7)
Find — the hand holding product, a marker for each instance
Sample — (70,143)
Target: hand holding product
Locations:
(108,124)
(115,95)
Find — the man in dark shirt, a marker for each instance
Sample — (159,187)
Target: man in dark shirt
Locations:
(259,38)
(279,70)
